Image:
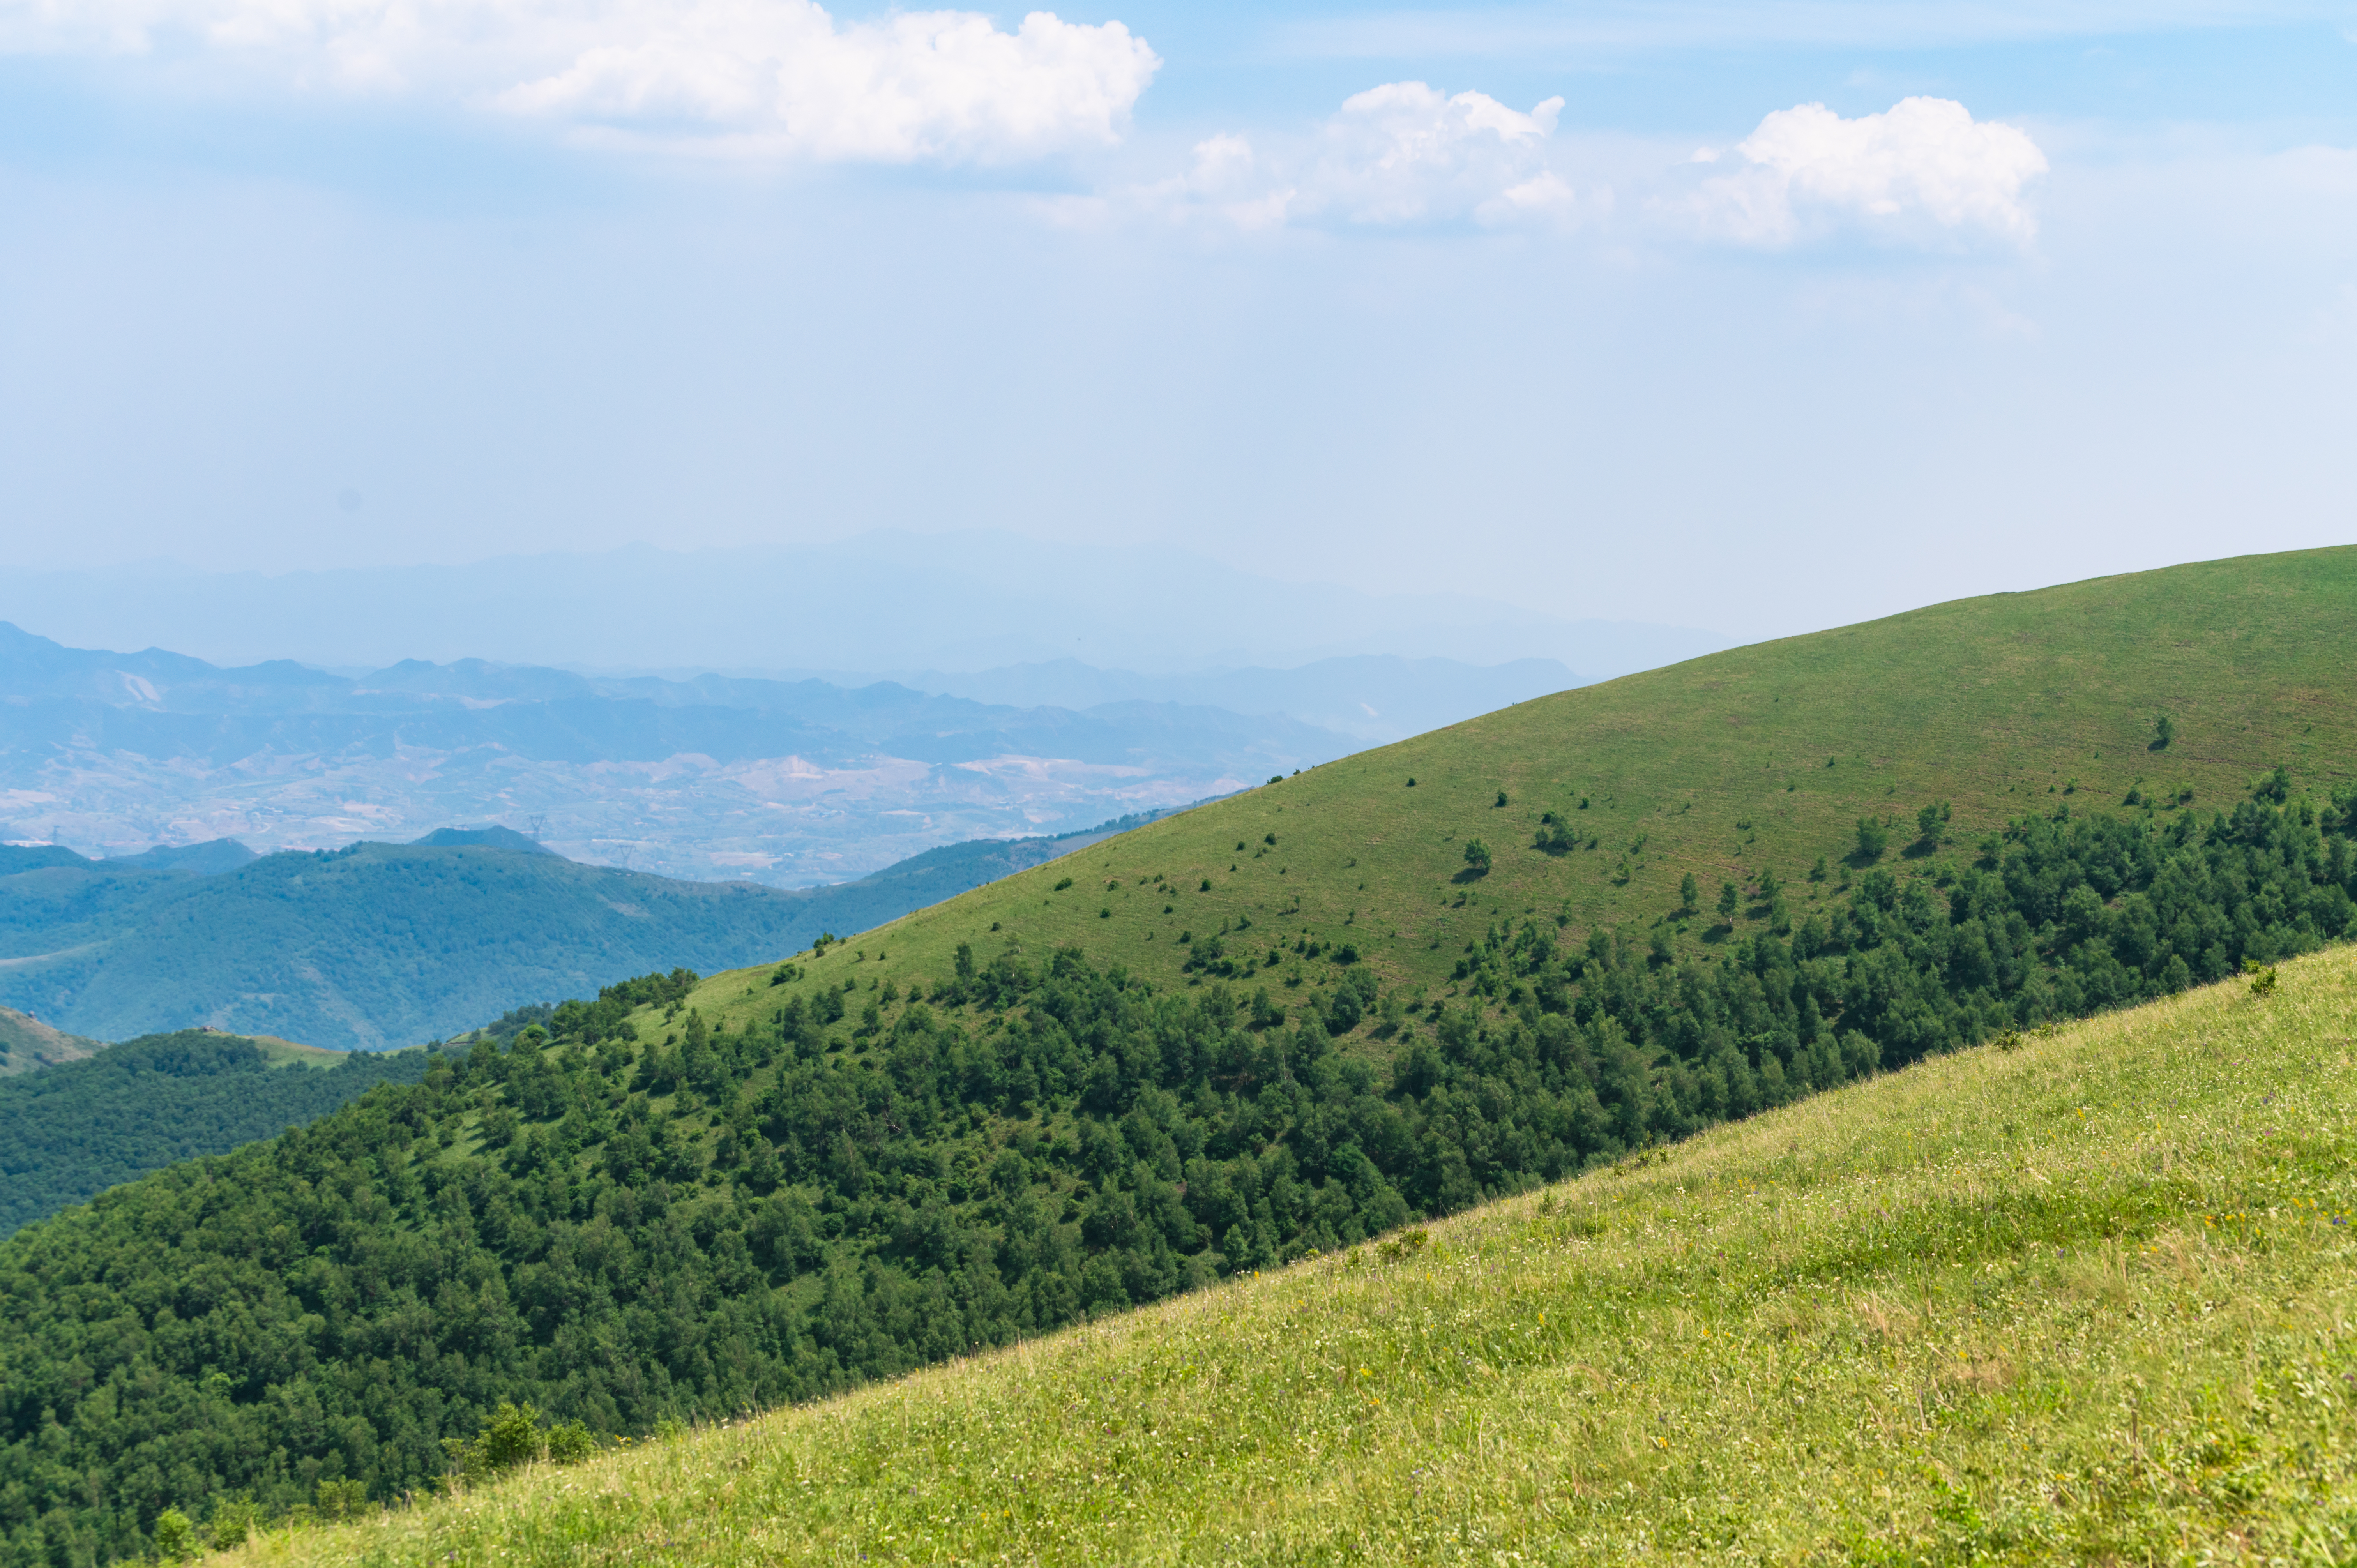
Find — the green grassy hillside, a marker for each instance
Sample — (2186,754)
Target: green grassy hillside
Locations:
(27,1043)
(2087,1299)
(1761,758)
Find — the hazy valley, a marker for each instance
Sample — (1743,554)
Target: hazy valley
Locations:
(789,783)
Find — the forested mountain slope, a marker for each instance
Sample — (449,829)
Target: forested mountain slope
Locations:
(687,1198)
(2073,1301)
(383,945)
(72,1131)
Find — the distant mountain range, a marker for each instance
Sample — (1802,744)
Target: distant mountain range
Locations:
(955,600)
(1372,698)
(379,945)
(786,782)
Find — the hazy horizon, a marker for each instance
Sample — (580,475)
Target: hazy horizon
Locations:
(1744,320)
(959,603)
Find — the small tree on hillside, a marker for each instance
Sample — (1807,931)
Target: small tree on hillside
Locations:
(1873,838)
(1728,899)
(1477,858)
(1688,894)
(2164,730)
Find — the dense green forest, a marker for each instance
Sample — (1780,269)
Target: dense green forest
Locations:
(72,1130)
(628,1215)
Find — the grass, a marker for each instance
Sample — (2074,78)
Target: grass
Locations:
(280,1053)
(27,1043)
(2088,1295)
(1760,758)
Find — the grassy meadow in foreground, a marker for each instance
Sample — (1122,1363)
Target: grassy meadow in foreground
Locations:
(2086,1295)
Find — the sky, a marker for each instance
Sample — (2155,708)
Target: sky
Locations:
(1752,318)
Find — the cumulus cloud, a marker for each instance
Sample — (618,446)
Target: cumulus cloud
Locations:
(1924,169)
(1403,154)
(1396,155)
(779,77)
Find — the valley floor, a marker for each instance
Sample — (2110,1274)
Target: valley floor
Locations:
(2086,1295)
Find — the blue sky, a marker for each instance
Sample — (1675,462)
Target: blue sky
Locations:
(1750,318)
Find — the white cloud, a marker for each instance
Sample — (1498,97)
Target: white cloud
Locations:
(1399,153)
(1924,169)
(1403,153)
(779,77)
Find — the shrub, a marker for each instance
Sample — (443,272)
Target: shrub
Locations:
(233,1520)
(1477,858)
(1067,882)
(511,1439)
(570,1442)
(1873,838)
(339,1500)
(175,1537)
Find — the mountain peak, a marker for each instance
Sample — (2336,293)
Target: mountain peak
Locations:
(492,837)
